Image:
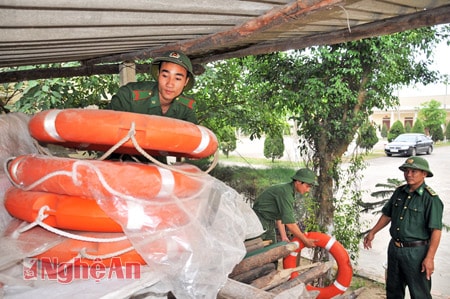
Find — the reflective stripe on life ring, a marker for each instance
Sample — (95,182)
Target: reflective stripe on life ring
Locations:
(90,129)
(132,194)
(344,273)
(91,178)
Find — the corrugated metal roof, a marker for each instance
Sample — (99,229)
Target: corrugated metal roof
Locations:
(110,31)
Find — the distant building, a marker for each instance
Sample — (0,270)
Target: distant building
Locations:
(408,110)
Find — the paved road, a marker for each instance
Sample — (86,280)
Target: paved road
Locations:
(371,261)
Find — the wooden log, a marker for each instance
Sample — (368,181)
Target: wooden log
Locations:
(266,257)
(298,292)
(305,277)
(253,242)
(237,290)
(278,277)
(351,294)
(253,274)
(254,247)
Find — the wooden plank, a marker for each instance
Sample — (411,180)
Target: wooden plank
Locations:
(305,277)
(253,274)
(238,290)
(260,259)
(278,277)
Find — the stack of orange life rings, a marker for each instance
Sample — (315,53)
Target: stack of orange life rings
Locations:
(345,271)
(74,194)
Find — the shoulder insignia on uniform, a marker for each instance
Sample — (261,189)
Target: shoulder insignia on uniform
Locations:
(141,94)
(186,101)
(431,191)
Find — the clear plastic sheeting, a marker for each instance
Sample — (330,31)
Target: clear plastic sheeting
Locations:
(16,246)
(187,226)
(14,140)
(190,231)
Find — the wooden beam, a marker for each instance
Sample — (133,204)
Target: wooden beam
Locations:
(273,18)
(48,73)
(423,18)
(269,256)
(86,70)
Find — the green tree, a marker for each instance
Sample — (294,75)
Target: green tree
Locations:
(396,129)
(447,131)
(61,93)
(437,134)
(433,118)
(273,146)
(226,96)
(418,127)
(407,127)
(367,136)
(384,131)
(227,140)
(331,91)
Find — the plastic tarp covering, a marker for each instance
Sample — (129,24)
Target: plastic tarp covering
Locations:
(190,229)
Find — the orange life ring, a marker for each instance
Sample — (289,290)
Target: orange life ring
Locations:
(339,253)
(101,129)
(69,250)
(136,195)
(63,211)
(91,178)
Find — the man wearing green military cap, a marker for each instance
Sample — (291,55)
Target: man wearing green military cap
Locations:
(415,213)
(275,207)
(173,73)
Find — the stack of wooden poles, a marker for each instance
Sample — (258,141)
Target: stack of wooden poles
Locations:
(258,274)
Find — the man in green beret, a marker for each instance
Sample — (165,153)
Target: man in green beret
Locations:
(173,74)
(415,213)
(275,207)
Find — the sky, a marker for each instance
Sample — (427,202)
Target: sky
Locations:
(442,64)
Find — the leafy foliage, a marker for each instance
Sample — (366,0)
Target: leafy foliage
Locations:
(384,131)
(61,93)
(367,136)
(447,131)
(227,140)
(418,127)
(274,147)
(396,129)
(433,118)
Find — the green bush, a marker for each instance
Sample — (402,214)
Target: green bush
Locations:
(396,129)
(384,131)
(447,131)
(437,134)
(274,147)
(418,127)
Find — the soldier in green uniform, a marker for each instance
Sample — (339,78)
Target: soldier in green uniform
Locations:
(415,213)
(275,207)
(173,74)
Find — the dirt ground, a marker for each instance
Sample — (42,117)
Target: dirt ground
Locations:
(371,289)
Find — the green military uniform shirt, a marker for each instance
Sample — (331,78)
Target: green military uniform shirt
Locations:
(143,97)
(413,214)
(276,203)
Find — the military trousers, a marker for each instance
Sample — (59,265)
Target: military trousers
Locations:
(404,269)
(269,228)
